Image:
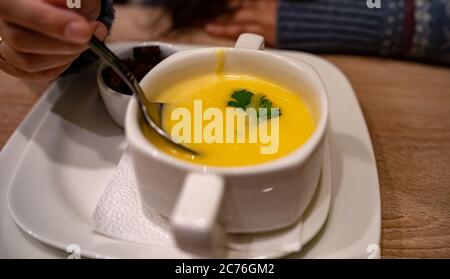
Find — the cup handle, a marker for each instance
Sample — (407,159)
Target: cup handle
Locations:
(195,218)
(250,41)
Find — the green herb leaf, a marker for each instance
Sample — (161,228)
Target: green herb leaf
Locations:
(267,104)
(244,99)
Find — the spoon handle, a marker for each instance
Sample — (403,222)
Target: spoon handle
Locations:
(114,62)
(99,48)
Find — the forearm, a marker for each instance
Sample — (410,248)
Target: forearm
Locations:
(407,28)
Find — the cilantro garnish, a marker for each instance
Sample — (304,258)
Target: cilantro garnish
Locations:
(244,99)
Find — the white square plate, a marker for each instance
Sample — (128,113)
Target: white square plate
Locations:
(75,147)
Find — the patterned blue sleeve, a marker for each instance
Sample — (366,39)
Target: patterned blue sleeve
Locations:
(432,32)
(415,29)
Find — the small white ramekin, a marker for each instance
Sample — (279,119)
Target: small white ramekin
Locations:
(116,103)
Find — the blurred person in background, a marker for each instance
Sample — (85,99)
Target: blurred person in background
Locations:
(41,39)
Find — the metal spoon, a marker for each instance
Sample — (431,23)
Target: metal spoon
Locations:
(114,62)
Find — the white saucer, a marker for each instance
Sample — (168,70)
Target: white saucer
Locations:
(72,154)
(93,245)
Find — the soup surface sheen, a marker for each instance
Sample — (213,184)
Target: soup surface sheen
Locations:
(295,126)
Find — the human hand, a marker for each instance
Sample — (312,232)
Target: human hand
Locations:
(41,38)
(247,16)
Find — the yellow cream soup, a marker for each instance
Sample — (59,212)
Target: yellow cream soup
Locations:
(295,124)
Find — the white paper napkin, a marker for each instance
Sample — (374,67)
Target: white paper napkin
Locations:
(119,215)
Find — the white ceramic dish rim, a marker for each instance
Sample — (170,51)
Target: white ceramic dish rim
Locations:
(116,103)
(103,66)
(297,157)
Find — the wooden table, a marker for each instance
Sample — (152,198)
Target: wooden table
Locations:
(407,109)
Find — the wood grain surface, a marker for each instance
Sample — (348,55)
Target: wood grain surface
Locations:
(407,109)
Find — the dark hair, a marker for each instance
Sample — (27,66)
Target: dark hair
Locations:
(185,12)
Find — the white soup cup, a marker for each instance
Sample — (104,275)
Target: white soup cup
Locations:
(202,202)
